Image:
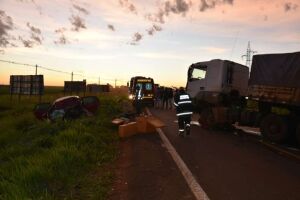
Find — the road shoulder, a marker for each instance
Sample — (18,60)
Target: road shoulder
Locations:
(145,170)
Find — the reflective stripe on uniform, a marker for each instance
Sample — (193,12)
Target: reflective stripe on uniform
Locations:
(181,130)
(188,125)
(182,102)
(181,97)
(175,104)
(139,94)
(185,113)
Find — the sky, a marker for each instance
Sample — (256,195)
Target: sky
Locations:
(119,39)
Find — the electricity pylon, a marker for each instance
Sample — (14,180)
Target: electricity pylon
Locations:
(248,55)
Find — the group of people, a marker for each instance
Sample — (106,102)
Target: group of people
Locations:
(163,97)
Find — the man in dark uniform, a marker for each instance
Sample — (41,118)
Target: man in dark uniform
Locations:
(184,111)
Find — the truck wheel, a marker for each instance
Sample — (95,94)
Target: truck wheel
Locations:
(298,134)
(244,120)
(207,119)
(274,128)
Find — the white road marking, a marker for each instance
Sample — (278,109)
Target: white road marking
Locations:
(195,123)
(187,174)
(192,122)
(293,149)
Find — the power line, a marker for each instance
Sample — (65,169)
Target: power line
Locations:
(54,70)
(60,71)
(16,63)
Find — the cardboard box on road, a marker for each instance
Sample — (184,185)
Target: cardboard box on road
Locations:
(128,130)
(147,124)
(143,126)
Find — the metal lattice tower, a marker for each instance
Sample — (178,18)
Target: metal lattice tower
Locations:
(248,55)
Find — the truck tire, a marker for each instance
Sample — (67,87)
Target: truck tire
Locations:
(298,134)
(274,128)
(244,120)
(207,119)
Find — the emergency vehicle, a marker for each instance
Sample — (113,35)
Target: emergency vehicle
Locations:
(147,89)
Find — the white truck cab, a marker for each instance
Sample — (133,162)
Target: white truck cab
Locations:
(211,78)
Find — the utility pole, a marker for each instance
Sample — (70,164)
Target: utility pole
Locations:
(99,81)
(36,69)
(72,76)
(248,55)
(115,83)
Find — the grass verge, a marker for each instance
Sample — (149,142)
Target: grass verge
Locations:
(63,160)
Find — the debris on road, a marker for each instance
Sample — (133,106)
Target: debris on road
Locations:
(139,125)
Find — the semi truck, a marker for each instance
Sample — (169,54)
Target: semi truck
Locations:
(268,97)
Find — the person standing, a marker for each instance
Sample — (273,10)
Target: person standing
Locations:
(138,99)
(184,111)
(157,97)
(165,98)
(170,97)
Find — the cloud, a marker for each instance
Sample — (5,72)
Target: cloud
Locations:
(290,7)
(62,38)
(26,0)
(26,43)
(176,7)
(36,34)
(153,29)
(81,9)
(33,1)
(34,29)
(6,24)
(35,37)
(206,4)
(128,5)
(136,38)
(77,22)
(158,17)
(111,27)
(214,50)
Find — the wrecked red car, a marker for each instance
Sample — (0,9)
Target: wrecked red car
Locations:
(69,107)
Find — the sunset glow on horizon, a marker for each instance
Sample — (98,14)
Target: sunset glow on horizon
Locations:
(118,39)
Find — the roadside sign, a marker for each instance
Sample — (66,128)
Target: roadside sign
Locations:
(75,86)
(27,84)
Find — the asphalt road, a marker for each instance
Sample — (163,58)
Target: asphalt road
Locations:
(233,167)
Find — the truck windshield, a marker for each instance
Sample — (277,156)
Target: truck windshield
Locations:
(148,86)
(198,73)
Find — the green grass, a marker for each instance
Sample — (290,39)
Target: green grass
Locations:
(62,160)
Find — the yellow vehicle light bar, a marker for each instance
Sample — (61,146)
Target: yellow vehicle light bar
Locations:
(144,80)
